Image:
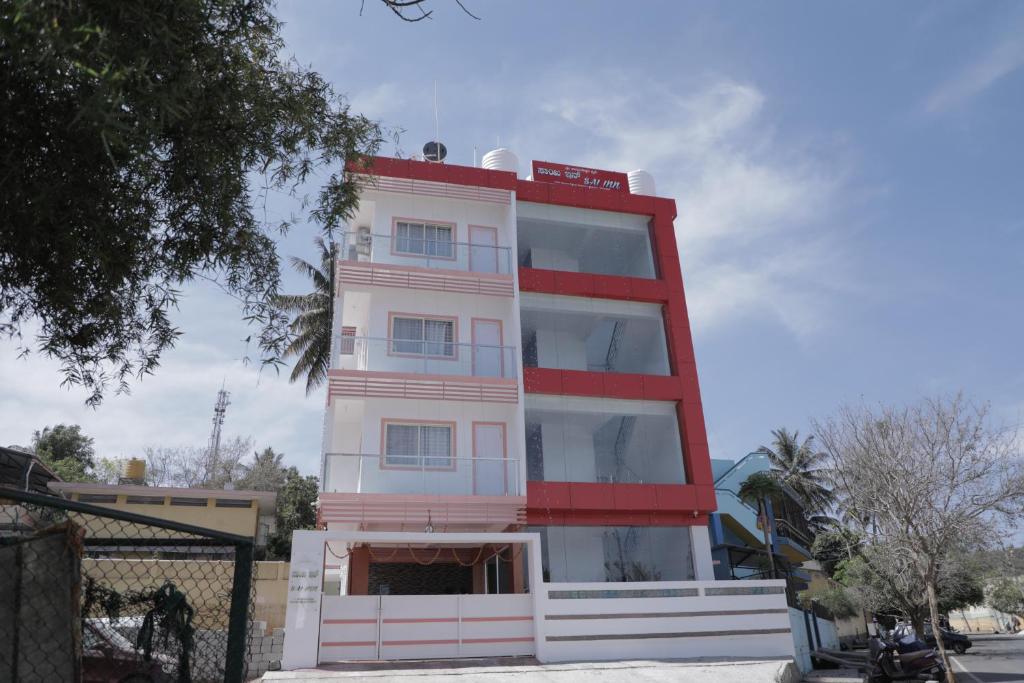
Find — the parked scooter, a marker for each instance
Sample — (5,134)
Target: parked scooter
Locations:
(901,656)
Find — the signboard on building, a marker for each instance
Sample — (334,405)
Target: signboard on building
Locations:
(547,172)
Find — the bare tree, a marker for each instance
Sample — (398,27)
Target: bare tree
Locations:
(925,478)
(197,466)
(401,8)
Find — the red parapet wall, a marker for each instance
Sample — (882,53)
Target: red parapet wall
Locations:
(557,502)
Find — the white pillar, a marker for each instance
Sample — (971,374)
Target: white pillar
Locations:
(700,543)
(302,619)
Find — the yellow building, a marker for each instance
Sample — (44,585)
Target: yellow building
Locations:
(202,572)
(244,513)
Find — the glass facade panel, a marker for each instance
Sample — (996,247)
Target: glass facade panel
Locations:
(569,333)
(605,441)
(584,241)
(615,553)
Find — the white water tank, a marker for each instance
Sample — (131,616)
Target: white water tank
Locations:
(641,182)
(501,159)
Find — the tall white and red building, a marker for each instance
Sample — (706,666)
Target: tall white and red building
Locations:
(513,368)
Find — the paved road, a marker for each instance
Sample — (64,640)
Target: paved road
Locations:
(993,659)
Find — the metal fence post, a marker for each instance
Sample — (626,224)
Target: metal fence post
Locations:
(238,617)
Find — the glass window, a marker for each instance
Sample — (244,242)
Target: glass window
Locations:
(423,336)
(615,553)
(424,239)
(348,341)
(418,445)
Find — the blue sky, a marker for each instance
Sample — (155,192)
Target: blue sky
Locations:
(847,176)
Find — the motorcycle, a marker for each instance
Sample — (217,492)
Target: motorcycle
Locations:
(900,656)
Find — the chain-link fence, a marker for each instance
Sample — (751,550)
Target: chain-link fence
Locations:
(95,594)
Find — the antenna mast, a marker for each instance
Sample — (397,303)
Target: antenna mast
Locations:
(219,409)
(437,134)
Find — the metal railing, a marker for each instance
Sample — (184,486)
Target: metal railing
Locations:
(786,529)
(384,354)
(106,572)
(420,475)
(426,253)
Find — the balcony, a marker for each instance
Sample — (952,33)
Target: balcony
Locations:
(416,368)
(584,241)
(603,441)
(571,333)
(417,262)
(416,356)
(412,491)
(421,475)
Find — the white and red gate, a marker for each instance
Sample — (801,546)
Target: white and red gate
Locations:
(425,626)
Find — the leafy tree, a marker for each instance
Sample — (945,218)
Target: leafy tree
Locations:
(296,509)
(800,468)
(134,139)
(66,451)
(832,547)
(266,473)
(929,477)
(312,321)
(1006,594)
(757,490)
(884,581)
(835,599)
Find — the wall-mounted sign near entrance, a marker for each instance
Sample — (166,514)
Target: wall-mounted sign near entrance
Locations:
(547,172)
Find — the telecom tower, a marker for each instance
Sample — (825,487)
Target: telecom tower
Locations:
(219,409)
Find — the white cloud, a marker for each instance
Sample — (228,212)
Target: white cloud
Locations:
(378,102)
(757,216)
(173,407)
(1002,59)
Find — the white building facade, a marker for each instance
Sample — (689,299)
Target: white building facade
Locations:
(515,460)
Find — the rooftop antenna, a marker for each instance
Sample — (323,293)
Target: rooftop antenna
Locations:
(434,150)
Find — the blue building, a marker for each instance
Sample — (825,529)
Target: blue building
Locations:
(737,540)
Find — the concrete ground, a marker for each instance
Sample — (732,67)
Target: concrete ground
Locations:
(523,669)
(992,659)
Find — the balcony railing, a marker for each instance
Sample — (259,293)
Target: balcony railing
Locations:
(421,475)
(416,356)
(799,533)
(425,253)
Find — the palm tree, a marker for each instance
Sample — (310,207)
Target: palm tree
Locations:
(758,489)
(801,469)
(312,321)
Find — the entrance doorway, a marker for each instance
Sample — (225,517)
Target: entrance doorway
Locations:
(411,578)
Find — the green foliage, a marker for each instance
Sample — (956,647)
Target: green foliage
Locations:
(66,451)
(311,324)
(296,509)
(1006,594)
(800,467)
(266,473)
(881,579)
(131,140)
(758,487)
(836,599)
(832,547)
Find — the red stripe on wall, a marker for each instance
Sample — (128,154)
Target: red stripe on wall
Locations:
(350,621)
